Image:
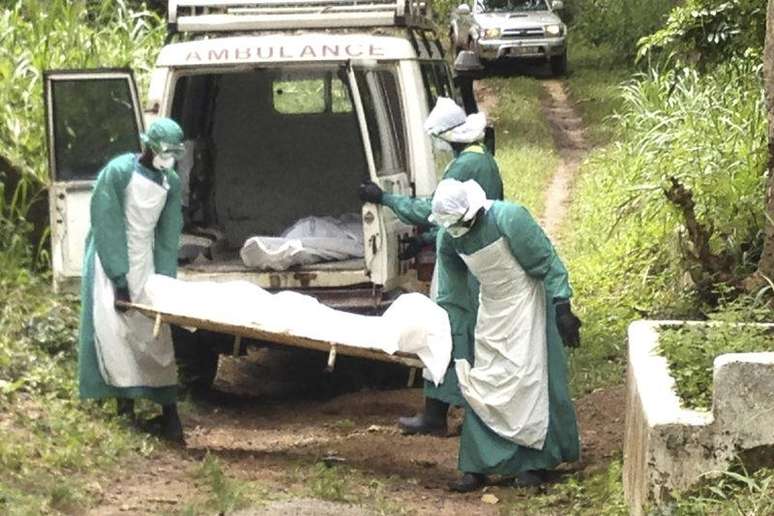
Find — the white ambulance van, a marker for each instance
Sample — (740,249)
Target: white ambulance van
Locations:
(287,106)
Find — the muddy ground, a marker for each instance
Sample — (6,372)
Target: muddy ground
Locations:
(274,416)
(265,435)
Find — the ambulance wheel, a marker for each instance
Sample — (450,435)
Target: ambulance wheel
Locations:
(197,361)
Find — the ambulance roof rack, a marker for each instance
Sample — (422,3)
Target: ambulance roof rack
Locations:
(190,16)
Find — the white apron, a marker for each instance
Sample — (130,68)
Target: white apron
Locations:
(128,354)
(508,386)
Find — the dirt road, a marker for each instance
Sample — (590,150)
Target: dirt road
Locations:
(277,421)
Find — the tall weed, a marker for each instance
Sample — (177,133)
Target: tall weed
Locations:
(627,248)
(36,35)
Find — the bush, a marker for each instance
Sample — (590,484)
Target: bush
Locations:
(628,252)
(709,32)
(617,23)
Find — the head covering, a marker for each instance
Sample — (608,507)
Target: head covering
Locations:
(164,135)
(445,115)
(447,121)
(455,201)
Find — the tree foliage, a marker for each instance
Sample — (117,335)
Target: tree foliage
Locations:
(708,32)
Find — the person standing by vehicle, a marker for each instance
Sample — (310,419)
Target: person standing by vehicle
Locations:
(451,128)
(136,221)
(519,418)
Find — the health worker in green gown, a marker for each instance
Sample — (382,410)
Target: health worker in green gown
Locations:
(136,221)
(519,418)
(450,128)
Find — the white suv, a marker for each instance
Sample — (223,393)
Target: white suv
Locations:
(512,29)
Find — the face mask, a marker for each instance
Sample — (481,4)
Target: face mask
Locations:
(163,163)
(457,231)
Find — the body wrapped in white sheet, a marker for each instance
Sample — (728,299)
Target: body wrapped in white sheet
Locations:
(412,324)
(309,240)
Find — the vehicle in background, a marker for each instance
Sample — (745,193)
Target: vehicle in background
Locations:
(500,30)
(286,106)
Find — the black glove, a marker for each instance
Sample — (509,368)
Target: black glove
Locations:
(568,324)
(415,244)
(370,192)
(122,294)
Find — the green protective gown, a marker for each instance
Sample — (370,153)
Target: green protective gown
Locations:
(107,239)
(460,302)
(481,449)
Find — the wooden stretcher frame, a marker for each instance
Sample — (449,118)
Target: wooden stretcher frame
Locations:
(251,332)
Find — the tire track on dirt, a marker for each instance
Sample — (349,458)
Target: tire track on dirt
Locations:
(567,130)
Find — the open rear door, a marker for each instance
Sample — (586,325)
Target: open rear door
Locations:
(377,99)
(92,116)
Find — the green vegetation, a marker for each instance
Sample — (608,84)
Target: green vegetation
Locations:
(597,493)
(734,492)
(51,443)
(691,351)
(525,147)
(221,494)
(618,25)
(629,251)
(36,35)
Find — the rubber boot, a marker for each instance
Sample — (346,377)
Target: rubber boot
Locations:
(125,408)
(431,422)
(468,483)
(171,426)
(527,479)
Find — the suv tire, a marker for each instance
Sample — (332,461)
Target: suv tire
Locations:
(559,64)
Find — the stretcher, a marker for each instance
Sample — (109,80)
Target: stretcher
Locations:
(253,332)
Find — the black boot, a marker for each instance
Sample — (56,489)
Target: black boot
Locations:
(431,422)
(468,483)
(171,427)
(125,408)
(529,479)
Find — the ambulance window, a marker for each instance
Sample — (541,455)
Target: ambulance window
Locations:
(380,94)
(437,83)
(320,91)
(94,122)
(297,96)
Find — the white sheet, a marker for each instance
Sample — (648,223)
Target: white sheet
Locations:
(413,323)
(309,240)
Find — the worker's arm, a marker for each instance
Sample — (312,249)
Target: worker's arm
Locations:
(410,210)
(108,222)
(532,248)
(453,291)
(168,230)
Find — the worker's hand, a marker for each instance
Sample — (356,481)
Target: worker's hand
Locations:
(568,324)
(370,192)
(122,294)
(415,244)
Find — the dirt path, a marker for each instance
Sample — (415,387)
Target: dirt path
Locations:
(272,435)
(567,130)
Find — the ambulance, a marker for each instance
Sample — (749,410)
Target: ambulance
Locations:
(286,106)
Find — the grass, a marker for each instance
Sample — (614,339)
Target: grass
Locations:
(598,493)
(348,485)
(219,493)
(525,148)
(594,80)
(52,444)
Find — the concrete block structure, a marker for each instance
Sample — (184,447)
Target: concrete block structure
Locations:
(668,448)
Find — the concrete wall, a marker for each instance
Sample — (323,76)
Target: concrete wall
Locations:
(669,448)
